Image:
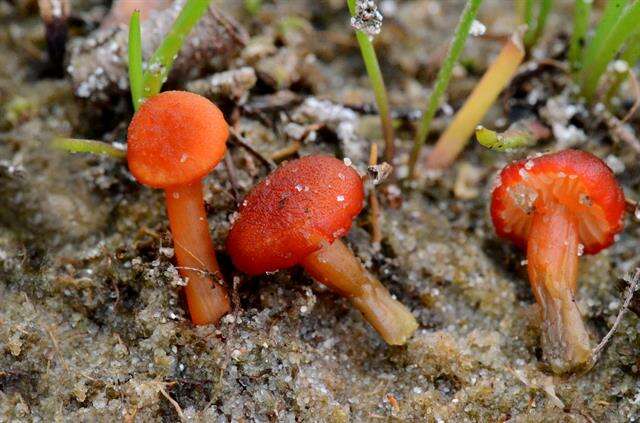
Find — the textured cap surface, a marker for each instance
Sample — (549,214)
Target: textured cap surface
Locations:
(301,205)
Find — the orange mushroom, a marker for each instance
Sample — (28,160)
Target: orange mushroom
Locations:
(296,216)
(557,207)
(174,140)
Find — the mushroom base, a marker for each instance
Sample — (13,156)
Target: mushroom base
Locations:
(208,301)
(336,267)
(553,250)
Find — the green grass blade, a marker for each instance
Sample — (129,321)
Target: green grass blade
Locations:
(135,60)
(625,28)
(610,16)
(377,82)
(76,145)
(534,30)
(160,63)
(631,55)
(442,81)
(581,14)
(527,14)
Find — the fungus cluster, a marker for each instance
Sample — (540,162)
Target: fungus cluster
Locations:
(296,216)
(173,141)
(558,207)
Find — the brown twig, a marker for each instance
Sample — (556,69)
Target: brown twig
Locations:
(631,206)
(173,402)
(288,151)
(374,213)
(628,296)
(636,90)
(239,140)
(233,178)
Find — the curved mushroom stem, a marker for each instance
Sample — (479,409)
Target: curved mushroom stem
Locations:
(552,255)
(207,300)
(335,266)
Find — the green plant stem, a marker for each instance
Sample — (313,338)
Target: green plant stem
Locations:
(442,81)
(377,82)
(527,13)
(135,60)
(627,27)
(76,145)
(610,16)
(253,6)
(505,141)
(581,14)
(162,59)
(631,55)
(534,31)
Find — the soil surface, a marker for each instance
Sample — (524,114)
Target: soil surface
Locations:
(92,322)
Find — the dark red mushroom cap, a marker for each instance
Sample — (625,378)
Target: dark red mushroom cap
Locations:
(175,138)
(300,206)
(579,181)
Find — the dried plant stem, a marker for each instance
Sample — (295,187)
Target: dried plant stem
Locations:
(288,151)
(581,13)
(374,204)
(377,82)
(442,81)
(500,72)
(628,296)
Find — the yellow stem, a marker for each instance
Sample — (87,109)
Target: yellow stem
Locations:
(456,136)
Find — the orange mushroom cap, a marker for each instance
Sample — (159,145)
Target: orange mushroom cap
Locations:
(579,181)
(176,137)
(289,215)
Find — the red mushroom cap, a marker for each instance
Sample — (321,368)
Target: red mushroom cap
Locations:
(289,215)
(176,137)
(579,181)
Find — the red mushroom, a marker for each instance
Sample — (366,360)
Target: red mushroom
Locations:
(296,216)
(175,140)
(557,207)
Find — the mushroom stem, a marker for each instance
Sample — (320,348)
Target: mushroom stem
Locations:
(335,266)
(207,300)
(552,255)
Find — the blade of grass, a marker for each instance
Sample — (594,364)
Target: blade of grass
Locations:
(497,76)
(610,16)
(442,81)
(527,13)
(76,145)
(160,63)
(631,55)
(535,28)
(581,13)
(625,28)
(135,60)
(377,82)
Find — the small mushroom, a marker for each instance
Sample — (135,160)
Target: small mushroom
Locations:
(297,216)
(558,207)
(175,140)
